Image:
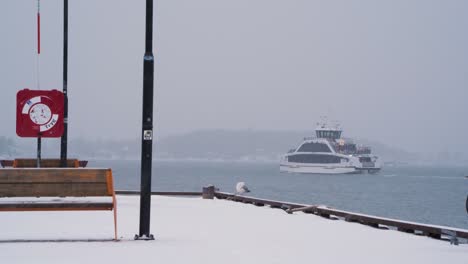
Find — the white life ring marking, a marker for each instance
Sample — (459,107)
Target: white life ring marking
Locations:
(52,122)
(30,103)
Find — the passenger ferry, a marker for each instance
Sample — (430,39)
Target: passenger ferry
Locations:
(329,153)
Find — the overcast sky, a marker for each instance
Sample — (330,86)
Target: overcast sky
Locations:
(395,71)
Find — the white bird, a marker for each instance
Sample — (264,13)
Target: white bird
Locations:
(241,188)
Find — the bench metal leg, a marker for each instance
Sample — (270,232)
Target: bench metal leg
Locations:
(115,223)
(115,217)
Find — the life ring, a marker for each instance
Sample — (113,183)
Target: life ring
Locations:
(39,113)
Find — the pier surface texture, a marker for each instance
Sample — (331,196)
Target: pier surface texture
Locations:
(196,230)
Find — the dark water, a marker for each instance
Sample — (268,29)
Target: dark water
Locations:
(434,195)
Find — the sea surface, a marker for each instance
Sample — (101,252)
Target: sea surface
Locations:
(425,194)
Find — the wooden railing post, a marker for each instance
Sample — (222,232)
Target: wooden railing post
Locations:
(208,192)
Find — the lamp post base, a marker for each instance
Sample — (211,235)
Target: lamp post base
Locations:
(144,237)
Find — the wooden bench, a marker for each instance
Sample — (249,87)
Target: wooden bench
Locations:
(57,182)
(6,163)
(45,163)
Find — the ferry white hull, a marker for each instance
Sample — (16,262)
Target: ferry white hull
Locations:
(317,169)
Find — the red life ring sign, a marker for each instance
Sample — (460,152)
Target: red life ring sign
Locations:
(39,113)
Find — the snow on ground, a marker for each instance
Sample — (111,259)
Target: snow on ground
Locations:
(193,230)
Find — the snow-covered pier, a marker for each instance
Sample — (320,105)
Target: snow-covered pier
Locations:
(195,230)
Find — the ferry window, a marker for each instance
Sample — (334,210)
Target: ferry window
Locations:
(365,159)
(314,147)
(314,158)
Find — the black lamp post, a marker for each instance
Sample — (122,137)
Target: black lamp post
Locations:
(63,142)
(147,128)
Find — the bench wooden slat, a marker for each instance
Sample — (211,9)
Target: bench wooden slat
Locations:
(45,163)
(55,182)
(53,190)
(50,175)
(22,206)
(52,178)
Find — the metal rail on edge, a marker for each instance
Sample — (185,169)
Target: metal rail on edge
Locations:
(128,192)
